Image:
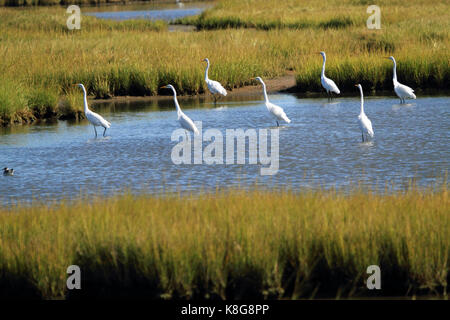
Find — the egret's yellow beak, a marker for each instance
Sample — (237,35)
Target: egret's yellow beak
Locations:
(163,87)
(252,78)
(356,85)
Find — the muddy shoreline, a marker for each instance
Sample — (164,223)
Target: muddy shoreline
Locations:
(282,84)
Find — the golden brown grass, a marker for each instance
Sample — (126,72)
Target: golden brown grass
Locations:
(111,58)
(230,244)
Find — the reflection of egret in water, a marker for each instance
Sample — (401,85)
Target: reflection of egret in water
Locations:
(405,106)
(180,4)
(99,140)
(331,104)
(222,108)
(281,127)
(367,143)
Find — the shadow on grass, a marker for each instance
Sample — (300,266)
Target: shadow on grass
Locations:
(108,276)
(14,286)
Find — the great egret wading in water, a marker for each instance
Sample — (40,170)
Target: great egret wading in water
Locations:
(213,86)
(94,118)
(364,122)
(401,90)
(185,122)
(327,83)
(276,111)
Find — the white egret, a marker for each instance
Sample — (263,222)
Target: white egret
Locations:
(213,86)
(185,122)
(327,83)
(364,122)
(401,90)
(95,119)
(276,111)
(8,171)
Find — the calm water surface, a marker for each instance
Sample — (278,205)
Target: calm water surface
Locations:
(153,11)
(321,146)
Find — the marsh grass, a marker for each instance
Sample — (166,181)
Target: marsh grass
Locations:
(138,57)
(208,21)
(16,3)
(230,244)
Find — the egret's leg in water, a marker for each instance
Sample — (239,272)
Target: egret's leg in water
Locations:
(95,132)
(278,124)
(104,132)
(362,137)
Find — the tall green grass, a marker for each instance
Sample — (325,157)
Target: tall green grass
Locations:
(205,22)
(137,57)
(230,244)
(299,14)
(27,94)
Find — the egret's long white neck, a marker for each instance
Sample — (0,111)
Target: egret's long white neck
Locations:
(394,77)
(85,99)
(323,66)
(264,91)
(362,100)
(206,70)
(176,101)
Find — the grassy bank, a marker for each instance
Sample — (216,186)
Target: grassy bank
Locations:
(17,3)
(41,57)
(231,244)
(415,32)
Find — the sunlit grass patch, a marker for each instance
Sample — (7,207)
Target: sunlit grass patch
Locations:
(136,58)
(230,244)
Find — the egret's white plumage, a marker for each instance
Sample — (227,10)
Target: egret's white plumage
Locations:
(327,83)
(364,122)
(94,118)
(401,90)
(276,111)
(185,122)
(213,86)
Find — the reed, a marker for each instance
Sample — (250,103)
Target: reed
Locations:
(137,57)
(230,244)
(297,14)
